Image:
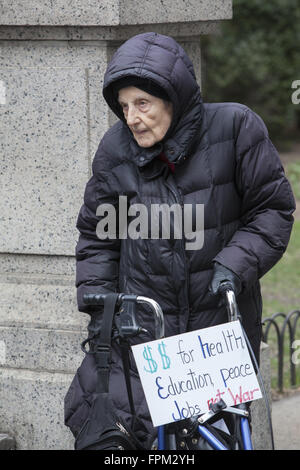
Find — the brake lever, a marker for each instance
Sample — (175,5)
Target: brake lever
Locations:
(126,318)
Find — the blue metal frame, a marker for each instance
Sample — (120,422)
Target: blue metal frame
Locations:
(210,438)
(161,438)
(246,434)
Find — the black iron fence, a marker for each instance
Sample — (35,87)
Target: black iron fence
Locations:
(284,325)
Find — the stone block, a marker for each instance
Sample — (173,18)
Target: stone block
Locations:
(31,409)
(45,12)
(49,306)
(111,12)
(51,96)
(53,269)
(41,349)
(172,11)
(191,30)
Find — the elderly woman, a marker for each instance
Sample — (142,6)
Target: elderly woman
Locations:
(170,147)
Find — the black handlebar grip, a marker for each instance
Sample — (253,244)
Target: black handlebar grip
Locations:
(98,299)
(94,299)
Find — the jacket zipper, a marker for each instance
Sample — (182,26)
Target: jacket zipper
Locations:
(178,199)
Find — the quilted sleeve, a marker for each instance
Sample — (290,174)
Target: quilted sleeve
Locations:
(267,204)
(97,260)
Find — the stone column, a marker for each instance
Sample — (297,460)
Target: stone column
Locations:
(53,55)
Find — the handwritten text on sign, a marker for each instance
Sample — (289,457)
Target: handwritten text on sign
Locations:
(182,375)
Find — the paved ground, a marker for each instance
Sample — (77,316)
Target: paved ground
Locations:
(286,422)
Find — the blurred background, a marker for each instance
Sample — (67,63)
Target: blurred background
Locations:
(255,60)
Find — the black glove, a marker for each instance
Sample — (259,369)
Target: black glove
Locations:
(220,274)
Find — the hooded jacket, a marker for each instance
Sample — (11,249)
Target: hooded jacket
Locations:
(224,160)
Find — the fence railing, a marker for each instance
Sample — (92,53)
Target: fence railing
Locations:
(283,323)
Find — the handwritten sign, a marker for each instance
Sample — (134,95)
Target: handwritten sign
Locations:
(182,375)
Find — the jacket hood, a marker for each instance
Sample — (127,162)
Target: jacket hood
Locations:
(163,61)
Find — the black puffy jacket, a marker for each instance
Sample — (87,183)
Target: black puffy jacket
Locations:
(223,159)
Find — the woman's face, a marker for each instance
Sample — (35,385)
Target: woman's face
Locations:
(147,116)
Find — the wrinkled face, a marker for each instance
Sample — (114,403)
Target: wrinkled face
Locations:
(147,116)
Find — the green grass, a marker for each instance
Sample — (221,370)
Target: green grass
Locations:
(293,173)
(281,293)
(281,285)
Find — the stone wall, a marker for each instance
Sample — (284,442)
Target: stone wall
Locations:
(53,55)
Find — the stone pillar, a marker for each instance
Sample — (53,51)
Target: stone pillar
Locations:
(261,410)
(52,117)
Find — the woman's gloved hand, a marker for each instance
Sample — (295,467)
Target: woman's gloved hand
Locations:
(221,274)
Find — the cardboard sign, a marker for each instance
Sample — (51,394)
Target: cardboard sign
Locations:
(182,375)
